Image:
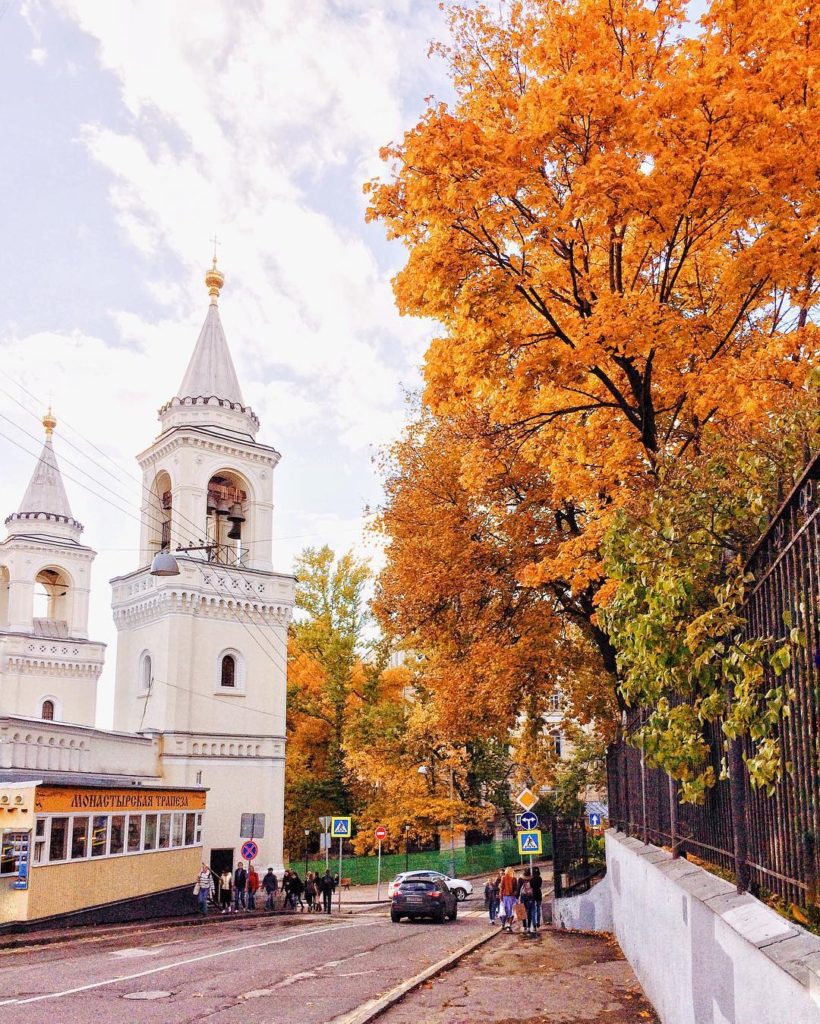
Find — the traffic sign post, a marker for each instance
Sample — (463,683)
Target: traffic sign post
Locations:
(530,843)
(527,799)
(594,820)
(341,829)
(381,835)
(529,821)
(325,823)
(249,850)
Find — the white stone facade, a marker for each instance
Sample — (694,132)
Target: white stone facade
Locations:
(201,670)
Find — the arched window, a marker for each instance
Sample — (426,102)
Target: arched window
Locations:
(145,672)
(51,588)
(228,671)
(47,711)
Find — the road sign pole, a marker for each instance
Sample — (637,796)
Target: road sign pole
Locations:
(379,874)
(339,904)
(327,850)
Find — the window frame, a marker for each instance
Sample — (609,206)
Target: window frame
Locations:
(238,688)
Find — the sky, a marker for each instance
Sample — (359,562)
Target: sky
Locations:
(136,131)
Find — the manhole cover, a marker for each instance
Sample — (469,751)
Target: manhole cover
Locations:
(150,994)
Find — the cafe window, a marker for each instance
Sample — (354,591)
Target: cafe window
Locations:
(179,830)
(40,840)
(99,835)
(117,833)
(164,831)
(58,839)
(79,838)
(190,829)
(198,828)
(134,832)
(150,839)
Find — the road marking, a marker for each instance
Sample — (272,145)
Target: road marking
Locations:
(136,951)
(178,963)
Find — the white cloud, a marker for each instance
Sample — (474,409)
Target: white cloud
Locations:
(258,121)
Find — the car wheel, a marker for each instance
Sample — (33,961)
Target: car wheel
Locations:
(439,916)
(395,917)
(454,914)
(460,894)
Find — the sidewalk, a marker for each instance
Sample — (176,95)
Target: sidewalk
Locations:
(559,978)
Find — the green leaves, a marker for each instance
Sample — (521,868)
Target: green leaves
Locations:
(677,620)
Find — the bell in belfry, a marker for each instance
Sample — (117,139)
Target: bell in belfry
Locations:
(235,516)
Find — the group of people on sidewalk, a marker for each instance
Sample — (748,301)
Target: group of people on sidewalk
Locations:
(509,898)
(232,892)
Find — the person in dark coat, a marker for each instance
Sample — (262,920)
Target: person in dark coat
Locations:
(491,898)
(270,883)
(240,881)
(327,891)
(537,897)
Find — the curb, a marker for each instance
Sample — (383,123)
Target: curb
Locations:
(376,1007)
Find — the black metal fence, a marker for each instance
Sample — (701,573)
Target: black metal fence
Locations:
(769,842)
(570,860)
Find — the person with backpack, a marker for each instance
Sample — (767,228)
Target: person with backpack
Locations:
(537,897)
(270,883)
(507,891)
(526,898)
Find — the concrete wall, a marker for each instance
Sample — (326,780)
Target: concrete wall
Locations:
(703,953)
(589,912)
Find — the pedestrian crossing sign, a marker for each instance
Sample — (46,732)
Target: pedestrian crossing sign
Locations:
(530,843)
(340,828)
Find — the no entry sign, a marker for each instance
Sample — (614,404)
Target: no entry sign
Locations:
(381,833)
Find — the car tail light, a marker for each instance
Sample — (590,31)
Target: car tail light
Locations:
(436,894)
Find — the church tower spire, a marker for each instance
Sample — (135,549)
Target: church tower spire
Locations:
(210,393)
(202,653)
(48,666)
(45,508)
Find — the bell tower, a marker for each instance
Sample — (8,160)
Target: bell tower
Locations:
(202,639)
(48,667)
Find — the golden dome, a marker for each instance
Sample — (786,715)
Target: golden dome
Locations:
(214,279)
(49,422)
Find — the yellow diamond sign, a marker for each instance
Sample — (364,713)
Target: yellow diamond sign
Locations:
(527,799)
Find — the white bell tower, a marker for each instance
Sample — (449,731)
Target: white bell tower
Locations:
(202,654)
(48,666)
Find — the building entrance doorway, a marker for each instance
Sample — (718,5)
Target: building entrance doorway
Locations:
(221,860)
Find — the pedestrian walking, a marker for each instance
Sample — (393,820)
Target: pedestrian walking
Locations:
(537,897)
(203,887)
(327,891)
(225,886)
(507,891)
(297,888)
(240,881)
(270,884)
(310,892)
(491,899)
(526,899)
(253,887)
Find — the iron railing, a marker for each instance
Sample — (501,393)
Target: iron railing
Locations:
(769,842)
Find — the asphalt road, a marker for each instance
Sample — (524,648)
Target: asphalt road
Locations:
(260,971)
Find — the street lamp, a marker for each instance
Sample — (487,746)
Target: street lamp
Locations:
(164,564)
(406,847)
(307,836)
(422,770)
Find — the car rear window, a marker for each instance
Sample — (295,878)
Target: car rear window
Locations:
(417,885)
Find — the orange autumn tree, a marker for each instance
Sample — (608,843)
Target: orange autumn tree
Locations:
(615,224)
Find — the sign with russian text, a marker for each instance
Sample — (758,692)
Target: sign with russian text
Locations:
(70,799)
